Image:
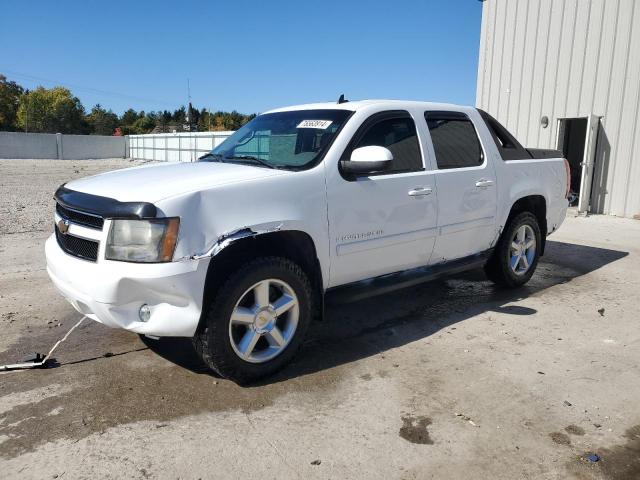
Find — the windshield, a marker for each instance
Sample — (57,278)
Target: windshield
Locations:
(292,140)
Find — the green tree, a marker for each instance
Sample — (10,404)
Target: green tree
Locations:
(10,93)
(205,121)
(234,121)
(193,115)
(164,119)
(53,110)
(179,116)
(154,116)
(129,117)
(143,125)
(229,120)
(101,121)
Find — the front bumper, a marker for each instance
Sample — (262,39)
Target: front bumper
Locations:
(112,292)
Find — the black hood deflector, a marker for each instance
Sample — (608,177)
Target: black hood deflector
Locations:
(103,206)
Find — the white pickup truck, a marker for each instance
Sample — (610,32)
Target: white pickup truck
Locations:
(239,249)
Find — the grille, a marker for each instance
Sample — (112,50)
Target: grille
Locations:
(78,247)
(80,218)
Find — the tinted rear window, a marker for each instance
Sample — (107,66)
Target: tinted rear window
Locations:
(454,139)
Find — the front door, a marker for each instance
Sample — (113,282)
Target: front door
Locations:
(466,183)
(382,223)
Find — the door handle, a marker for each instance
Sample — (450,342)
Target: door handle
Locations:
(420,191)
(484,183)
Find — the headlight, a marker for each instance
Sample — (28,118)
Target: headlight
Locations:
(144,241)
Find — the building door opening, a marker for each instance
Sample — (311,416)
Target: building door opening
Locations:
(577,142)
(573,133)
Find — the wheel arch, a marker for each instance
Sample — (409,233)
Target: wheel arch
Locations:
(247,245)
(537,205)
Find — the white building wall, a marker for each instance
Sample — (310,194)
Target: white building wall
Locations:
(175,147)
(568,58)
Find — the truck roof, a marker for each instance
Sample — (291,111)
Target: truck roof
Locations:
(360,104)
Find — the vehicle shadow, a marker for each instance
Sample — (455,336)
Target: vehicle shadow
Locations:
(371,326)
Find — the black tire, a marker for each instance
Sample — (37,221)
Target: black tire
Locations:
(213,342)
(497,268)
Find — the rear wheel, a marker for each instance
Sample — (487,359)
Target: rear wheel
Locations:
(257,321)
(516,255)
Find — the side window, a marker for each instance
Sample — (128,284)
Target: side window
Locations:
(455,140)
(508,146)
(398,134)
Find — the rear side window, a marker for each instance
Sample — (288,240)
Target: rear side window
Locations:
(508,146)
(398,134)
(454,139)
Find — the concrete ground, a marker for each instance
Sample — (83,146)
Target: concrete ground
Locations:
(452,379)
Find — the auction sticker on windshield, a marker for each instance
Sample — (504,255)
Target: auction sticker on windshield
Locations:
(322,124)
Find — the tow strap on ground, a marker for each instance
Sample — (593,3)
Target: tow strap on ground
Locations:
(38,360)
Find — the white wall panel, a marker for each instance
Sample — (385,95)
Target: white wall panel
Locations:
(550,80)
(482,55)
(515,83)
(593,29)
(497,50)
(525,92)
(564,59)
(578,58)
(629,139)
(541,54)
(565,65)
(507,58)
(175,147)
(616,115)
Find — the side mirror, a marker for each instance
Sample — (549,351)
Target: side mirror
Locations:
(367,160)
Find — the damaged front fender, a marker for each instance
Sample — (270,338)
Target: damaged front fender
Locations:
(229,238)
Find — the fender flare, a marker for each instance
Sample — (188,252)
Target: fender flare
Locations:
(234,236)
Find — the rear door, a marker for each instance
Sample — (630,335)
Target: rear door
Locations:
(466,183)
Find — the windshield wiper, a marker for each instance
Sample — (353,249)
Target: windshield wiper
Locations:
(251,158)
(216,156)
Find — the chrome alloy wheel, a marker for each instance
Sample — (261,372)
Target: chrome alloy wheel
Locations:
(264,321)
(522,250)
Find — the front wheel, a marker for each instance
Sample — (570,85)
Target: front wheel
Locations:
(257,321)
(516,255)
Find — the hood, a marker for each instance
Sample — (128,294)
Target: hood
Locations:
(151,183)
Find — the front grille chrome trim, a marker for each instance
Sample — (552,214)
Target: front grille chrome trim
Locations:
(85,219)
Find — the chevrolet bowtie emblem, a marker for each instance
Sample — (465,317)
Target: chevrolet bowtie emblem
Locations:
(63,226)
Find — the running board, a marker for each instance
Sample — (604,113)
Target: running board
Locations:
(362,289)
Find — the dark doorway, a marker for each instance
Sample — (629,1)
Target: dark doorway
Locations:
(572,140)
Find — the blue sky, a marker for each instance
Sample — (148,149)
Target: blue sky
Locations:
(243,55)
